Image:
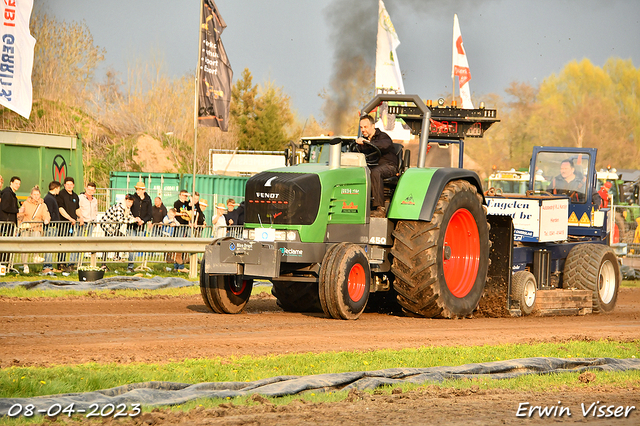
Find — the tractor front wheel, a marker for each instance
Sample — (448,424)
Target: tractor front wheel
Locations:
(345,280)
(225,294)
(441,266)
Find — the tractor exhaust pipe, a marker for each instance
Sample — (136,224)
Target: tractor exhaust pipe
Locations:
(335,150)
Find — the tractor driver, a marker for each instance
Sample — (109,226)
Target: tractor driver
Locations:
(387,164)
(567,182)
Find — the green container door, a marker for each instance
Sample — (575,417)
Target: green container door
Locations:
(40,158)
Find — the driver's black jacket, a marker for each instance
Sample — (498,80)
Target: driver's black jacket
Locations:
(385,144)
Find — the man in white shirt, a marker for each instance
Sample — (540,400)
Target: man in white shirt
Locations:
(89,206)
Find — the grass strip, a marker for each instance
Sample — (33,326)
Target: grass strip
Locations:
(32,381)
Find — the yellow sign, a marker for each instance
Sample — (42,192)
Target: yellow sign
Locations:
(584,220)
(573,219)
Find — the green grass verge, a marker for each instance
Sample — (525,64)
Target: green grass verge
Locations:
(31,381)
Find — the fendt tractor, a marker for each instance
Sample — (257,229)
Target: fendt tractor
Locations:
(444,249)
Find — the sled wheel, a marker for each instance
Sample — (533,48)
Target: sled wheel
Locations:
(204,283)
(594,267)
(523,290)
(345,280)
(441,266)
(296,296)
(227,294)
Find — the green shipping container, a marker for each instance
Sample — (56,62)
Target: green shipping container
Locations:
(213,188)
(38,158)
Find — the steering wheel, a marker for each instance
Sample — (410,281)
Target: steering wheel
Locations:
(371,158)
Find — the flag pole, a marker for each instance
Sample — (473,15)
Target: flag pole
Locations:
(195,103)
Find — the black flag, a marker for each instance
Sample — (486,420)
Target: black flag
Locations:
(215,74)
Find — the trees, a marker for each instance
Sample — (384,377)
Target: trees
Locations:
(262,115)
(66,60)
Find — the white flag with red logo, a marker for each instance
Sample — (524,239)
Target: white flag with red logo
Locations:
(461,66)
(388,76)
(16,61)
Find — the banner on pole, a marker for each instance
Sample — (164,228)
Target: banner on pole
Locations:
(461,65)
(215,73)
(16,61)
(388,75)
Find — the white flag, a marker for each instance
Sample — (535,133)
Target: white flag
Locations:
(388,76)
(461,66)
(16,58)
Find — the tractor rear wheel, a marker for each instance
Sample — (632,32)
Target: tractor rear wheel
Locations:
(523,290)
(594,267)
(296,296)
(345,280)
(225,294)
(441,266)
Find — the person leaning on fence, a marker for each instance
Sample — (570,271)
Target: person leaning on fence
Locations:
(31,216)
(69,207)
(9,212)
(142,213)
(51,230)
(158,212)
(9,202)
(116,216)
(199,219)
(89,206)
(219,222)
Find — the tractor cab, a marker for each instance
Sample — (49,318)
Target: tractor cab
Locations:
(571,172)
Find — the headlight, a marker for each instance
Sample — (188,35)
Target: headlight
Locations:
(291,236)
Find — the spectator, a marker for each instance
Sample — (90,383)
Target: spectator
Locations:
(142,213)
(604,195)
(183,216)
(9,211)
(219,222)
(89,206)
(31,216)
(9,202)
(158,212)
(1,184)
(235,216)
(52,229)
(198,215)
(183,210)
(69,207)
(169,223)
(116,215)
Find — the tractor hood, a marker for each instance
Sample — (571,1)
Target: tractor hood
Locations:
(282,198)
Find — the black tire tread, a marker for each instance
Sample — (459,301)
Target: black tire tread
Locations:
(581,271)
(296,297)
(414,262)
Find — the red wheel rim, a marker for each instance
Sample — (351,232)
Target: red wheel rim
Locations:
(461,253)
(357,282)
(236,287)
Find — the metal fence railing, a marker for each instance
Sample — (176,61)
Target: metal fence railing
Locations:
(96,235)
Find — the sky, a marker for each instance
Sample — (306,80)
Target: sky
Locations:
(297,44)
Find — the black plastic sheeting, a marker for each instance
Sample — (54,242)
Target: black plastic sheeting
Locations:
(169,393)
(110,283)
(628,273)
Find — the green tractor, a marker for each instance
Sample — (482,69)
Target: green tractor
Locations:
(308,228)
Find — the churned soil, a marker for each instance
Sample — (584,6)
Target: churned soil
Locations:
(41,332)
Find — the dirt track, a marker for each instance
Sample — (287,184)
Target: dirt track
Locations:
(40,332)
(70,331)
